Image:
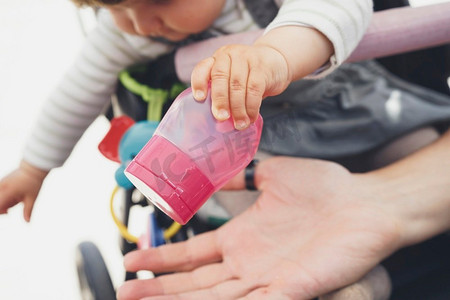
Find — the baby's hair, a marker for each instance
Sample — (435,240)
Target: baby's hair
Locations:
(96,3)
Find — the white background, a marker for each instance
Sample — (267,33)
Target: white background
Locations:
(38,41)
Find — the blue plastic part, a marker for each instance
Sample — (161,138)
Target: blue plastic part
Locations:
(130,144)
(121,179)
(156,232)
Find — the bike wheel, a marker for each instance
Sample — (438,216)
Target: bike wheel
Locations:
(93,276)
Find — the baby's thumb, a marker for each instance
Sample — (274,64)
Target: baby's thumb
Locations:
(28,205)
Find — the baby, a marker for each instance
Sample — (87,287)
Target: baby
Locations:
(305,38)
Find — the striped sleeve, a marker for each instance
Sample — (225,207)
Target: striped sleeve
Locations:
(343,22)
(84,91)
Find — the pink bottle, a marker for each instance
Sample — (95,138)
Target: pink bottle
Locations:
(190,156)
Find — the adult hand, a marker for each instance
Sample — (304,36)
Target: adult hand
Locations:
(315,228)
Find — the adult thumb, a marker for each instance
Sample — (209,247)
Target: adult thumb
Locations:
(235,183)
(246,179)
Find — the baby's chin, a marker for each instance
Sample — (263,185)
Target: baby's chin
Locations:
(171,36)
(175,36)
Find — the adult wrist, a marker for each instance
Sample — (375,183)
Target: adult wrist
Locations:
(420,202)
(370,190)
(424,212)
(388,194)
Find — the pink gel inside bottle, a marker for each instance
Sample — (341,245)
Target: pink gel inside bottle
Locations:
(191,156)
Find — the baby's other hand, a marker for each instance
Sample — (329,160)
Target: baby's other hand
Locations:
(241,76)
(21,185)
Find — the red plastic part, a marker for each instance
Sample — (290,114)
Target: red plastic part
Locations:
(109,146)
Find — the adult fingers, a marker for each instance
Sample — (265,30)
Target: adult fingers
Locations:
(232,289)
(183,256)
(263,172)
(236,183)
(199,279)
(265,293)
(200,78)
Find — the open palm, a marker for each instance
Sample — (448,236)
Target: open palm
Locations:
(293,243)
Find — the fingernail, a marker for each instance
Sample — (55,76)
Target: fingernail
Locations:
(223,114)
(199,95)
(239,125)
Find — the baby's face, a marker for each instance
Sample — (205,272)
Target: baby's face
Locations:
(171,19)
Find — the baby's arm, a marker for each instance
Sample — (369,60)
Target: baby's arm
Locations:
(306,37)
(76,102)
(83,92)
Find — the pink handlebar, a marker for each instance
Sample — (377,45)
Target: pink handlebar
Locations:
(405,29)
(391,32)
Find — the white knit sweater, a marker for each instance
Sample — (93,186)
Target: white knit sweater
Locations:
(87,86)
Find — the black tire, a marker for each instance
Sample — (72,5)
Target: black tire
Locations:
(93,276)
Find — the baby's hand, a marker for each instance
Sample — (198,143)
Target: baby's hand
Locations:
(241,76)
(22,185)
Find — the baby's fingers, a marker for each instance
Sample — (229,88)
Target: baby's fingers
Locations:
(28,203)
(200,78)
(238,89)
(256,86)
(220,77)
(8,198)
(6,204)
